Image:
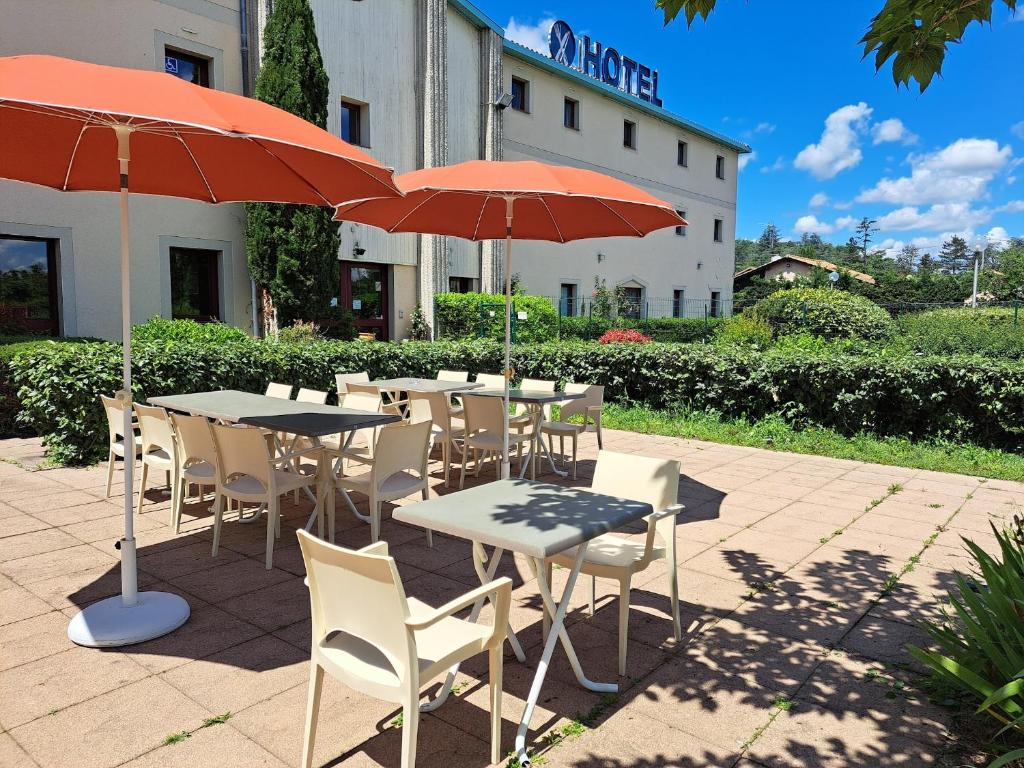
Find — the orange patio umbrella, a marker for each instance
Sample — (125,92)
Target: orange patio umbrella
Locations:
(520,200)
(70,125)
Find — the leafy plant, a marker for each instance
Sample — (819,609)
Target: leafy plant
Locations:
(980,645)
(161,329)
(300,333)
(623,336)
(482,315)
(744,330)
(831,314)
(989,332)
(419,328)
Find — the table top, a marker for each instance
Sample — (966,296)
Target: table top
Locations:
(536,519)
(424,385)
(527,395)
(278,414)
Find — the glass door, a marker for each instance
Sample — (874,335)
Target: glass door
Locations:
(364,288)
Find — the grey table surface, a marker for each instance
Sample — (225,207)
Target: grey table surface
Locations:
(525,395)
(536,519)
(306,419)
(408,384)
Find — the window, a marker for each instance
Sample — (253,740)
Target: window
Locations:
(719,167)
(28,285)
(520,95)
(352,122)
(716,304)
(681,229)
(718,230)
(187,66)
(632,302)
(571,114)
(679,303)
(567,300)
(195,284)
(460,284)
(683,154)
(629,134)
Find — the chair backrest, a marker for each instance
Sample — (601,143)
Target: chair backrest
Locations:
(311,396)
(362,401)
(432,407)
(482,414)
(358,386)
(241,450)
(401,447)
(342,380)
(593,395)
(114,408)
(640,478)
(155,429)
(536,385)
(453,375)
(491,380)
(280,391)
(195,440)
(359,593)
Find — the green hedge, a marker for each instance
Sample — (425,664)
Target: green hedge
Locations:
(667,329)
(831,314)
(972,399)
(461,316)
(994,332)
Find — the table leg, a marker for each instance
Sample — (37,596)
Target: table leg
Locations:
(558,632)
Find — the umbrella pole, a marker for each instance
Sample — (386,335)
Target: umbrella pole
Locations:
(129,617)
(506,469)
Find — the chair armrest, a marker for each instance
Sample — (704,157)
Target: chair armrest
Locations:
(377,548)
(671,511)
(499,591)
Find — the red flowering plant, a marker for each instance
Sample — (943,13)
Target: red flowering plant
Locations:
(624,336)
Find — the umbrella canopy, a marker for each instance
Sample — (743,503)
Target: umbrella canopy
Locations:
(521,200)
(76,126)
(551,202)
(186,140)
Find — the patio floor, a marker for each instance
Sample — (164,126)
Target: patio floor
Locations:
(791,656)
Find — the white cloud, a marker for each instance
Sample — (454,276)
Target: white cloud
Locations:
(892,129)
(891,247)
(846,222)
(1014,206)
(998,236)
(1017,129)
(819,199)
(958,172)
(778,165)
(746,159)
(809,223)
(764,128)
(533,36)
(936,218)
(839,147)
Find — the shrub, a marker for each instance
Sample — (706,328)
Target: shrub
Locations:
(989,332)
(482,315)
(300,333)
(745,330)
(162,329)
(623,336)
(665,329)
(824,312)
(969,398)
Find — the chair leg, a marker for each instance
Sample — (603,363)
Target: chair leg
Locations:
(316,682)
(600,438)
(272,513)
(142,487)
(430,533)
(623,623)
(218,514)
(673,595)
(177,502)
(495,661)
(549,570)
(575,443)
(374,519)
(593,593)
(330,501)
(446,448)
(410,725)
(462,477)
(110,471)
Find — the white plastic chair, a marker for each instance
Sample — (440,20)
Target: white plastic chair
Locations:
(114,409)
(342,380)
(311,396)
(248,472)
(159,450)
(280,391)
(609,556)
(368,635)
(434,407)
(197,459)
(589,406)
(455,404)
(483,433)
(401,450)
(497,381)
(358,445)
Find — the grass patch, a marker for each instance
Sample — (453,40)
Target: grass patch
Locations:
(175,738)
(775,434)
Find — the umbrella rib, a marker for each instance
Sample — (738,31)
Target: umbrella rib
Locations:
(620,217)
(480,216)
(398,223)
(297,175)
(74,153)
(551,216)
(199,170)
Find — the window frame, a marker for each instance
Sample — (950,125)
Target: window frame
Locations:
(683,154)
(53,323)
(678,302)
(362,109)
(193,58)
(212,291)
(634,142)
(567,306)
(718,233)
(524,84)
(720,167)
(575,125)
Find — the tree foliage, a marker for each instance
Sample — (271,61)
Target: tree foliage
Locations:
(293,249)
(915,34)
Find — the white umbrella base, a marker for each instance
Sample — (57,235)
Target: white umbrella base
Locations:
(111,623)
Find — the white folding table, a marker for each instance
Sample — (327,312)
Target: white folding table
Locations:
(536,520)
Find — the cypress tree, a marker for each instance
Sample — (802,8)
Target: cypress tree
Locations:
(293,249)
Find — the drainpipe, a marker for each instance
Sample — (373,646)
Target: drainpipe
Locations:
(243,22)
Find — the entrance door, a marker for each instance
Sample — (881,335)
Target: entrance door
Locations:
(364,291)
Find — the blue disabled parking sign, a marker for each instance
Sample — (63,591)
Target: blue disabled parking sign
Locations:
(563,44)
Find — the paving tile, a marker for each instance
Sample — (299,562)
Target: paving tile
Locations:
(17,603)
(46,505)
(894,526)
(34,543)
(35,638)
(83,587)
(788,526)
(800,619)
(107,529)
(883,640)
(112,728)
(225,581)
(12,755)
(178,561)
(47,565)
(702,592)
(273,607)
(221,745)
(51,683)
(15,523)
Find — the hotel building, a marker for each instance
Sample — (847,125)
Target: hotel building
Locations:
(417,83)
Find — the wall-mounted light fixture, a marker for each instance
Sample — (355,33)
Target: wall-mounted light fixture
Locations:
(504,101)
(357,251)
(600,257)
(700,264)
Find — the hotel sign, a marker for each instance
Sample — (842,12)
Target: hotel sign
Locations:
(604,64)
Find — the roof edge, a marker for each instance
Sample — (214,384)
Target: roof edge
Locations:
(477,16)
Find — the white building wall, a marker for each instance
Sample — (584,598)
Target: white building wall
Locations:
(127,33)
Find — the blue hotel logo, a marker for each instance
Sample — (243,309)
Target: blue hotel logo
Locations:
(604,64)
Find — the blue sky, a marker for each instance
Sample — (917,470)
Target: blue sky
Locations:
(832,140)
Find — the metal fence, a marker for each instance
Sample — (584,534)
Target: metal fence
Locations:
(643,309)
